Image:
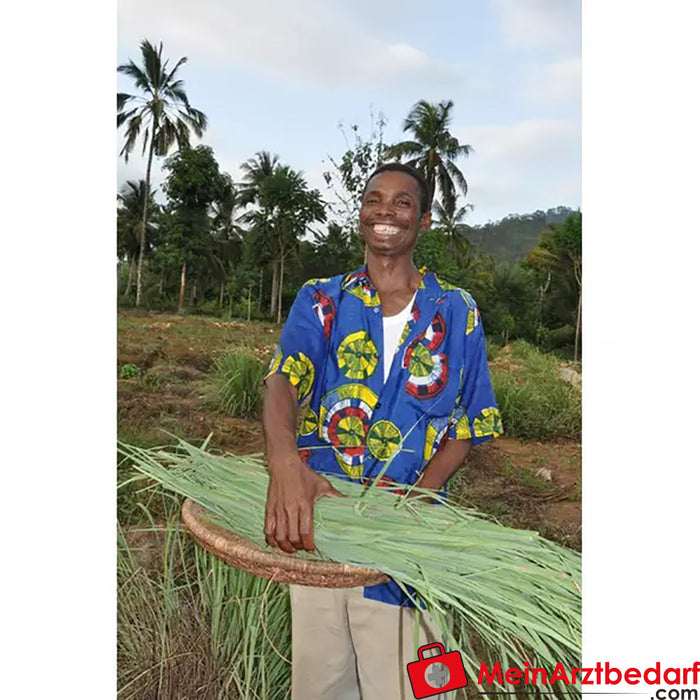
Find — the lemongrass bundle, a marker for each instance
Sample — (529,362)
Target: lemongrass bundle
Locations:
(516,592)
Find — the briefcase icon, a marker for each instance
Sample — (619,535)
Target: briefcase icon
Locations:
(436,674)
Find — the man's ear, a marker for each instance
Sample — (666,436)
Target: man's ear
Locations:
(425,221)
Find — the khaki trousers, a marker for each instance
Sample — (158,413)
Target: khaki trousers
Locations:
(348,647)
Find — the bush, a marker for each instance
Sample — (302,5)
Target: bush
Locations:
(129,371)
(535,402)
(239,380)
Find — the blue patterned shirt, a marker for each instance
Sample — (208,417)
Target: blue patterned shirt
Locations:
(358,423)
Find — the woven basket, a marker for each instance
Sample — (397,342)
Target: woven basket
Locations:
(287,568)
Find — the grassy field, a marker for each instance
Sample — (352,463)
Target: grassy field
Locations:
(192,627)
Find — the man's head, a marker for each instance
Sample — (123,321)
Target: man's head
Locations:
(395,207)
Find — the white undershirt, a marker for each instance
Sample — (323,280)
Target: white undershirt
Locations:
(393,327)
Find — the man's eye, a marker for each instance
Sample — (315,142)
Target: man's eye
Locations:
(404,203)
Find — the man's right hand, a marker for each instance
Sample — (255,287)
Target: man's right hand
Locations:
(289,515)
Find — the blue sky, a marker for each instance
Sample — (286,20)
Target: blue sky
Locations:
(280,76)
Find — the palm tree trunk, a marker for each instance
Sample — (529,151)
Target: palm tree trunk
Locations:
(142,227)
(193,296)
(279,300)
(577,337)
(183,277)
(260,295)
(221,295)
(250,291)
(130,280)
(273,296)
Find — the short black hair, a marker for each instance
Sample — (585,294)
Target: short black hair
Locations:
(403,168)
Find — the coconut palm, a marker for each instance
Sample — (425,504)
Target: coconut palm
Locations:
(433,150)
(450,222)
(255,170)
(129,218)
(162,113)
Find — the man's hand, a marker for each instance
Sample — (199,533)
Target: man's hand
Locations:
(289,515)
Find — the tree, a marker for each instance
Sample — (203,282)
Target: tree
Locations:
(433,150)
(349,174)
(129,218)
(162,113)
(557,260)
(193,184)
(255,170)
(227,234)
(287,208)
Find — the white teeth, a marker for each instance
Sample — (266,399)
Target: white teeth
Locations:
(386,230)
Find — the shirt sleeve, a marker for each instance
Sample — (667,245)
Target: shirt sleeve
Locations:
(476,417)
(301,349)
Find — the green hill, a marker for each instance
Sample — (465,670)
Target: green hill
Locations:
(511,238)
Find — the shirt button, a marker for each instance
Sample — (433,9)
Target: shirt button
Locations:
(376,311)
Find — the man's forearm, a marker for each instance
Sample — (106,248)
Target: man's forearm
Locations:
(444,464)
(279,420)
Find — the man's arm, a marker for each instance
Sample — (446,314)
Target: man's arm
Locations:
(444,464)
(294,487)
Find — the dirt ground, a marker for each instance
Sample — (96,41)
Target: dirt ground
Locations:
(533,485)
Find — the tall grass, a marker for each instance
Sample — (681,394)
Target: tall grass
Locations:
(191,626)
(238,375)
(535,402)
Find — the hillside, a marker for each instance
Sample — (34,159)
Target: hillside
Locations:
(511,238)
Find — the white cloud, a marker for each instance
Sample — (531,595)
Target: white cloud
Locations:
(310,41)
(521,167)
(555,82)
(531,24)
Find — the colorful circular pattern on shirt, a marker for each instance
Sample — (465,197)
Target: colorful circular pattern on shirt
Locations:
(276,359)
(358,284)
(357,355)
(300,371)
(309,423)
(489,423)
(325,310)
(462,429)
(345,415)
(349,464)
(435,434)
(425,386)
(420,363)
(435,332)
(384,439)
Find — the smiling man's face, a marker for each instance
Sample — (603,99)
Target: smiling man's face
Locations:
(390,216)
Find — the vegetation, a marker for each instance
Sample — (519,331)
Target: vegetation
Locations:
(535,402)
(523,592)
(164,116)
(239,380)
(190,625)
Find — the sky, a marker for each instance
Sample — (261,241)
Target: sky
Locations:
(281,76)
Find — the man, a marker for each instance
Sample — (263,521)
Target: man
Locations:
(393,362)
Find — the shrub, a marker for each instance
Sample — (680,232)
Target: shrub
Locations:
(239,381)
(129,371)
(535,402)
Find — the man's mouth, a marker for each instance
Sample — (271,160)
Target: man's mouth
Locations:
(385,229)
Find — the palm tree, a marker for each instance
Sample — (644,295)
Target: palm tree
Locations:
(164,115)
(129,218)
(227,234)
(450,222)
(255,170)
(433,150)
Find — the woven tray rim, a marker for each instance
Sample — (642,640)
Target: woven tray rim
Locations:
(279,566)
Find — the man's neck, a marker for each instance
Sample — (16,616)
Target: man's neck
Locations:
(392,274)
